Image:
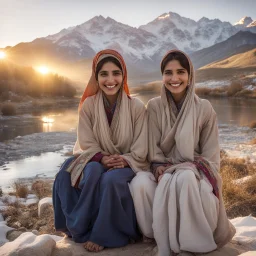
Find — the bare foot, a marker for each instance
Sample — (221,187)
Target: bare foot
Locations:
(148,239)
(92,247)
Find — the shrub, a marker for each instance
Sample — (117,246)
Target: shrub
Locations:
(8,109)
(253,142)
(252,124)
(250,185)
(203,91)
(21,190)
(234,87)
(239,199)
(41,188)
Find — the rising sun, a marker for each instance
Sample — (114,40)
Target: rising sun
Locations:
(43,70)
(2,55)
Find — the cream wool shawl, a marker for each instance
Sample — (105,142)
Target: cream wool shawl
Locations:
(179,139)
(127,135)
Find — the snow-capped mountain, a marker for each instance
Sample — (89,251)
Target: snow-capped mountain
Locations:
(100,33)
(73,48)
(244,22)
(247,24)
(188,34)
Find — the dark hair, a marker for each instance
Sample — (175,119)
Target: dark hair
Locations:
(105,60)
(180,57)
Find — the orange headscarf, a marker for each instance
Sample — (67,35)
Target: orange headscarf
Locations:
(92,86)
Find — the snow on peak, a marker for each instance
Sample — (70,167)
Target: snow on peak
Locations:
(188,34)
(164,16)
(252,24)
(244,21)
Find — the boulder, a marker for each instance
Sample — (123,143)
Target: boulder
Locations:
(44,204)
(28,244)
(251,253)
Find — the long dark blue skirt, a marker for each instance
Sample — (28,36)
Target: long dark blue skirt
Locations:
(100,210)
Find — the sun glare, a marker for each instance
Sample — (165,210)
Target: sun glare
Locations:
(43,70)
(48,120)
(2,55)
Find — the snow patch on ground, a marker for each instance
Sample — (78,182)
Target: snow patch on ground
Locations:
(7,199)
(242,180)
(36,144)
(235,141)
(213,84)
(245,231)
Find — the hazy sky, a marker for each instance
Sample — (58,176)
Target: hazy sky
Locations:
(25,20)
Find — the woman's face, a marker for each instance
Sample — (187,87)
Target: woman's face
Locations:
(110,78)
(175,79)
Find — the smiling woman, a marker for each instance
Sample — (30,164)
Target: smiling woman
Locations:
(91,197)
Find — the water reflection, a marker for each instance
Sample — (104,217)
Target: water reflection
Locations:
(12,127)
(47,127)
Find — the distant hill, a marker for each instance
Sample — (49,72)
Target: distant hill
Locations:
(241,42)
(241,60)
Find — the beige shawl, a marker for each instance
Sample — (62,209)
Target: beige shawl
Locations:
(126,136)
(179,139)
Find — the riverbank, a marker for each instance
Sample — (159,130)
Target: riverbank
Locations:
(240,87)
(29,105)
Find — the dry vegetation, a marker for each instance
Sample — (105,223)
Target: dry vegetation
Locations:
(20,216)
(239,198)
(253,142)
(8,109)
(252,124)
(21,190)
(235,89)
(41,189)
(153,87)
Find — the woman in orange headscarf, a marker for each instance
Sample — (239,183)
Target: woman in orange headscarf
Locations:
(92,200)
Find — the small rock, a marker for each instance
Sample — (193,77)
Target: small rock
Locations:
(44,204)
(23,229)
(31,201)
(31,196)
(35,232)
(13,234)
(3,231)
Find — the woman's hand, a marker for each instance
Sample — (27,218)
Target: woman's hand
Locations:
(159,172)
(116,162)
(105,161)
